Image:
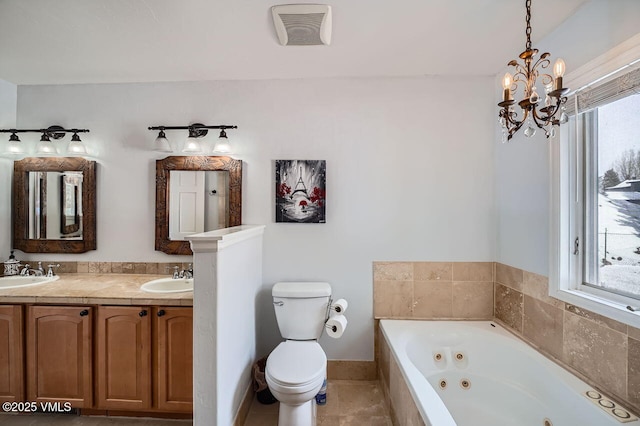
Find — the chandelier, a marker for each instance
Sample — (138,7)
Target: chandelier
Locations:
(543,115)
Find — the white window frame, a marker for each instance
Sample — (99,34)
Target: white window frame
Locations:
(566,201)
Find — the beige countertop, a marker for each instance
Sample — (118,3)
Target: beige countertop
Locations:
(96,289)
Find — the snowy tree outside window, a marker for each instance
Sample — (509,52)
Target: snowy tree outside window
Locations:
(615,264)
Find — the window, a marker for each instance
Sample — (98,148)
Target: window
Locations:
(610,170)
(595,218)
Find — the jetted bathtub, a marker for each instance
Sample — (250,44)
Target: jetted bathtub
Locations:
(475,373)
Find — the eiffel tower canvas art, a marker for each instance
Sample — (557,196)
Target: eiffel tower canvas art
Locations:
(300,191)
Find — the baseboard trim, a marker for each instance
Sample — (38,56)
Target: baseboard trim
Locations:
(352,370)
(245,405)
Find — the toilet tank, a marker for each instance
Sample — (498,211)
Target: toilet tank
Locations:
(301,308)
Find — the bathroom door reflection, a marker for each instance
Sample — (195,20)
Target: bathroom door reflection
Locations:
(198,202)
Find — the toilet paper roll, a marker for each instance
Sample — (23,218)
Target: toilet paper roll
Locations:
(340,306)
(336,325)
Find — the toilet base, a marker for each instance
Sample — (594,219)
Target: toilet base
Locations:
(298,415)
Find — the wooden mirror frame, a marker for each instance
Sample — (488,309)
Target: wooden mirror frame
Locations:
(196,163)
(21,168)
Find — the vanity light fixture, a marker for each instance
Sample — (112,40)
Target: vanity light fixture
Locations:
(162,143)
(46,146)
(14,147)
(222,145)
(76,146)
(192,145)
(545,117)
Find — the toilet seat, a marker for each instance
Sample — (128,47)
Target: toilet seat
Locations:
(296,366)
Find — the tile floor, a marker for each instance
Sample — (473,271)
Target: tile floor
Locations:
(349,403)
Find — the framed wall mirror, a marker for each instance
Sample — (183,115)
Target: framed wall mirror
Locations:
(193,195)
(54,205)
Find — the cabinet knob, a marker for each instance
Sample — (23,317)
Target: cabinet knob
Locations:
(84,313)
(161,313)
(143,313)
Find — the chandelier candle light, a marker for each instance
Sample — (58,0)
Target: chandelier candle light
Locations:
(527,73)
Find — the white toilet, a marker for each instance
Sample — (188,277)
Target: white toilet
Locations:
(297,367)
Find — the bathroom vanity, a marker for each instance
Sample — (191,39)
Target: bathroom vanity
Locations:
(124,349)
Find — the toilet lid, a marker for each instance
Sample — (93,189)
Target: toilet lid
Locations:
(296,362)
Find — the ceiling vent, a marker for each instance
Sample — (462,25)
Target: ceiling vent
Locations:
(302,24)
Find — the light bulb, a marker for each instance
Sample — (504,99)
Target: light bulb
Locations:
(45,146)
(14,146)
(162,143)
(558,72)
(76,146)
(192,146)
(222,146)
(507,81)
(558,68)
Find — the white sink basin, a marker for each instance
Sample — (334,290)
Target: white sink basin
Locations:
(168,285)
(16,281)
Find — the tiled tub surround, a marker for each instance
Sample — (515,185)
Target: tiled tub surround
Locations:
(603,352)
(433,290)
(402,408)
(98,289)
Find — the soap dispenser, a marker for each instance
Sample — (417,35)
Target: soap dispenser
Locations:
(11,266)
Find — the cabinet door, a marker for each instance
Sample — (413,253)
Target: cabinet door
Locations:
(124,357)
(59,354)
(11,354)
(174,363)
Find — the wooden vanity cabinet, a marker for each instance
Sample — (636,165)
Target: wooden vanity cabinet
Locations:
(11,353)
(124,357)
(173,348)
(128,375)
(59,354)
(143,356)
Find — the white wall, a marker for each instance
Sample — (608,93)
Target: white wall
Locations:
(224,324)
(8,100)
(409,173)
(522,166)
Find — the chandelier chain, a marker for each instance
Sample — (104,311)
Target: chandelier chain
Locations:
(528,31)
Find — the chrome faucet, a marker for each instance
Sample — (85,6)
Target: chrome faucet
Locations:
(50,270)
(185,273)
(25,270)
(188,273)
(40,271)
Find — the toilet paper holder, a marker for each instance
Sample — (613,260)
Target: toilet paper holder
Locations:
(328,315)
(339,306)
(331,327)
(336,325)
